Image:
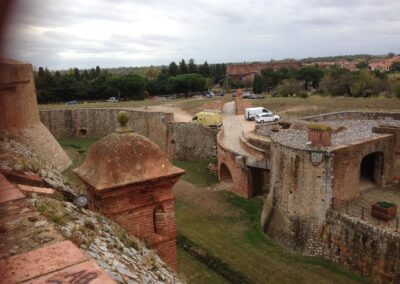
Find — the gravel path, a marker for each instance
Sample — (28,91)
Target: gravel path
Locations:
(234,125)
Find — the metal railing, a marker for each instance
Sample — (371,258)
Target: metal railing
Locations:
(356,210)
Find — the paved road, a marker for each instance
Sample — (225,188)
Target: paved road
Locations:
(234,125)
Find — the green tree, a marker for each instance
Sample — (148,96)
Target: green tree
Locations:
(395,67)
(362,64)
(189,83)
(258,85)
(310,74)
(127,86)
(271,78)
(183,67)
(173,69)
(288,88)
(204,69)
(192,67)
(363,84)
(397,90)
(337,82)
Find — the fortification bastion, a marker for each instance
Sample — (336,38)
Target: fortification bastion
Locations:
(20,115)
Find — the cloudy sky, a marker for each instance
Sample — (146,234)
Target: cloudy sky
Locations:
(113,33)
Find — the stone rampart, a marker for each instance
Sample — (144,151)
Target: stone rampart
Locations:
(191,141)
(180,140)
(361,247)
(96,123)
(353,115)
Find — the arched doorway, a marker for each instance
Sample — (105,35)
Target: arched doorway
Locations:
(371,170)
(224,174)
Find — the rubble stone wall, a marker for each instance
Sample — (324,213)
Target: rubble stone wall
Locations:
(180,140)
(96,123)
(191,141)
(366,249)
(355,115)
(300,194)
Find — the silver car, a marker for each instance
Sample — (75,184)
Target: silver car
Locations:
(266,117)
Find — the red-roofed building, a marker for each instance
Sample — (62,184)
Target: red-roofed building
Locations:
(245,71)
(383,64)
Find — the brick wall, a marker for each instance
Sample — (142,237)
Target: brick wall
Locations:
(240,105)
(137,208)
(347,161)
(180,140)
(236,166)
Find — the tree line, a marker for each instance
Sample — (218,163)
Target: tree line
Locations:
(97,84)
(333,81)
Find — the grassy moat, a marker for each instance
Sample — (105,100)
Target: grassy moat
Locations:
(226,229)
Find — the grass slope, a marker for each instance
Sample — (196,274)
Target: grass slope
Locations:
(239,241)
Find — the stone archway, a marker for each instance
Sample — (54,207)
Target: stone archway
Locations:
(225,174)
(371,170)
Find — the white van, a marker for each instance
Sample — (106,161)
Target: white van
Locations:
(251,112)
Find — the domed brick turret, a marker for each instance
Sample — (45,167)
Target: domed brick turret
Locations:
(129,179)
(121,159)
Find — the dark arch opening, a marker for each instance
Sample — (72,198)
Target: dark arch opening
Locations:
(371,169)
(225,174)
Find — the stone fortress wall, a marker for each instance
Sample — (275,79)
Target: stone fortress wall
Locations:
(179,140)
(361,247)
(19,114)
(299,211)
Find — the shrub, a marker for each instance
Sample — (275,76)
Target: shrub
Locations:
(397,90)
(289,88)
(303,95)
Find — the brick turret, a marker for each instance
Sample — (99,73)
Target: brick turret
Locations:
(130,180)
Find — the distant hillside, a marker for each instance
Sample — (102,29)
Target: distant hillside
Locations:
(355,57)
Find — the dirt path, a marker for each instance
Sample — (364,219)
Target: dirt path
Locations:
(179,114)
(234,125)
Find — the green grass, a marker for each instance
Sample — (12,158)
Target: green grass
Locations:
(81,145)
(238,241)
(76,148)
(298,107)
(192,271)
(197,172)
(104,104)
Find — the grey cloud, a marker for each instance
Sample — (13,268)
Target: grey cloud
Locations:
(202,29)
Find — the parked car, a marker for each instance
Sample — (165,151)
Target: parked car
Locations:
(208,118)
(208,95)
(112,100)
(251,112)
(254,96)
(247,95)
(74,102)
(266,117)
